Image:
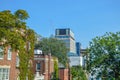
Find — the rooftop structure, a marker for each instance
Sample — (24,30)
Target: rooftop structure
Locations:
(67,36)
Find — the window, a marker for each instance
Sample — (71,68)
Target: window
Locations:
(1,52)
(29,46)
(9,53)
(17,61)
(4,73)
(38,67)
(62,32)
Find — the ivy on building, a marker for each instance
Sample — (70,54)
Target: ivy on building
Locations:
(56,70)
(15,33)
(56,47)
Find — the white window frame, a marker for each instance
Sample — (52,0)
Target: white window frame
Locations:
(1,51)
(4,75)
(17,61)
(9,54)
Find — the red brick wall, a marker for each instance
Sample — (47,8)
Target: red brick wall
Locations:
(41,64)
(63,74)
(12,63)
(47,65)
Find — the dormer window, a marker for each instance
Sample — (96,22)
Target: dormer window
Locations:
(1,52)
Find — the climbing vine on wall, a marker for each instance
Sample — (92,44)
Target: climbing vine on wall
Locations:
(55,73)
(14,32)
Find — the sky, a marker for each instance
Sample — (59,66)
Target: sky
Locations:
(86,18)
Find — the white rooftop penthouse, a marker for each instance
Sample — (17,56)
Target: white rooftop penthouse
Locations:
(37,51)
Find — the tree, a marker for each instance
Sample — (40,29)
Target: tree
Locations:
(55,73)
(104,56)
(21,14)
(78,73)
(56,47)
(14,32)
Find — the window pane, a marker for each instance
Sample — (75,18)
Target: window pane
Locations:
(1,52)
(7,73)
(38,66)
(9,53)
(4,74)
(17,61)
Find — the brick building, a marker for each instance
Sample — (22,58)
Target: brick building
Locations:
(64,74)
(43,66)
(8,64)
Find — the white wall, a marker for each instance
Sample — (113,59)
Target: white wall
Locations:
(75,61)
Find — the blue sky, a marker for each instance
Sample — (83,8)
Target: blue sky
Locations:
(86,18)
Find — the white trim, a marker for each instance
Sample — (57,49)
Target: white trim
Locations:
(40,58)
(4,66)
(1,58)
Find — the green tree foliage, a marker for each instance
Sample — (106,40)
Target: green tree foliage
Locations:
(56,47)
(55,73)
(6,19)
(14,32)
(104,56)
(21,14)
(78,73)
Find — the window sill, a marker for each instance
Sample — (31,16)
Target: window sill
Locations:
(9,59)
(1,58)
